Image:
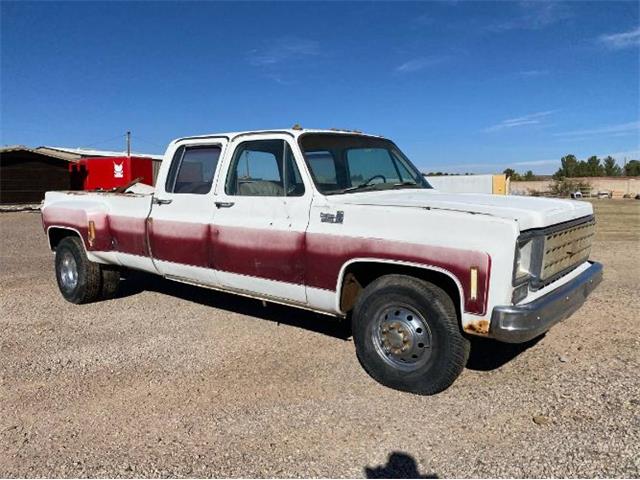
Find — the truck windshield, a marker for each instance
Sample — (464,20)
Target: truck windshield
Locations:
(342,163)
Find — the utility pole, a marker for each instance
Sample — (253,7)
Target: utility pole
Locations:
(128,144)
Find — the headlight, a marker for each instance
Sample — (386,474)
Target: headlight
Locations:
(523,271)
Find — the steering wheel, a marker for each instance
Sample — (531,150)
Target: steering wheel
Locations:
(384,180)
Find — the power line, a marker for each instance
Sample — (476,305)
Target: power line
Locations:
(144,140)
(104,141)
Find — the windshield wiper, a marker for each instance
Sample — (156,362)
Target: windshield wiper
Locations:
(360,187)
(375,186)
(405,184)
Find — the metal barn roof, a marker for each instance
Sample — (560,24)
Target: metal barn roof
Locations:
(84,152)
(69,157)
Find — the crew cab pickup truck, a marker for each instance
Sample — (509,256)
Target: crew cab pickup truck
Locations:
(341,223)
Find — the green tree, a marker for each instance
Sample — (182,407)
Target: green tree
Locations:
(611,169)
(593,167)
(512,174)
(569,167)
(632,168)
(528,175)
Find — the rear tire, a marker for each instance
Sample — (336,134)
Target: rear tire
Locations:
(407,335)
(79,280)
(110,282)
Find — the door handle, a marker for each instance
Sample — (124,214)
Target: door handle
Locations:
(224,204)
(161,201)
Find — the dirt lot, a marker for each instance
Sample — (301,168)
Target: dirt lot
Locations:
(170,380)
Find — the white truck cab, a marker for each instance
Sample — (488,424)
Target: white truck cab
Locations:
(342,223)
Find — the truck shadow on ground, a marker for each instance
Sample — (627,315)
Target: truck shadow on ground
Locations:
(137,282)
(485,354)
(399,465)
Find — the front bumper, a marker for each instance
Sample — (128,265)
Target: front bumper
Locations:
(519,323)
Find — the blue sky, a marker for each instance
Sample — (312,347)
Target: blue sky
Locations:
(460,86)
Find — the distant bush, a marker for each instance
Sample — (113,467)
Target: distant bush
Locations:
(565,187)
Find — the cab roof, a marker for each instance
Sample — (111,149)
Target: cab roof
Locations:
(295,132)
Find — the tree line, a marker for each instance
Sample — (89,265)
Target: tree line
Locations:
(571,167)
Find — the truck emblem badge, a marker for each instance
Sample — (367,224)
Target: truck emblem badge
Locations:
(331,218)
(118,170)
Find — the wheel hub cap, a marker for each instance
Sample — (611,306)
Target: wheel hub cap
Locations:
(68,271)
(402,337)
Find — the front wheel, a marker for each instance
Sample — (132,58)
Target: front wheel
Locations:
(407,335)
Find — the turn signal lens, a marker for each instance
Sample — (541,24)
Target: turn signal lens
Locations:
(91,235)
(474,283)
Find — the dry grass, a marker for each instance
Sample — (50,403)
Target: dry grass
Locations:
(618,220)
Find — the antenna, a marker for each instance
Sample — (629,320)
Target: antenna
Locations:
(128,144)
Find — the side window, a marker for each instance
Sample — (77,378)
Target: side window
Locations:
(264,168)
(192,170)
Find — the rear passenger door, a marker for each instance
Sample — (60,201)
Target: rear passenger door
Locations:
(262,213)
(180,222)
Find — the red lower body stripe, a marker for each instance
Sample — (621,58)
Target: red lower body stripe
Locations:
(295,257)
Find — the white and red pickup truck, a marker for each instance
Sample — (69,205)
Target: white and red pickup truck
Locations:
(342,223)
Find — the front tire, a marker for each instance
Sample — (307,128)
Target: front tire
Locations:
(407,335)
(79,279)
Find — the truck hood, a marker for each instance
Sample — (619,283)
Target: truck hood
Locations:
(528,212)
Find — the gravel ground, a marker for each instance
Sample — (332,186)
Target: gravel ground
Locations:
(170,380)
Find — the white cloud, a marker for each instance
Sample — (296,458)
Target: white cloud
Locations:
(535,15)
(282,50)
(418,64)
(536,162)
(620,156)
(530,119)
(621,40)
(533,73)
(609,130)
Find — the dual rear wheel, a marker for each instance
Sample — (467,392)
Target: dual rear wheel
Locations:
(79,279)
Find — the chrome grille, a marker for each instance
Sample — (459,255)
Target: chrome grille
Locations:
(566,249)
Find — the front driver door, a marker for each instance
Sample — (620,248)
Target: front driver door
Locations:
(262,213)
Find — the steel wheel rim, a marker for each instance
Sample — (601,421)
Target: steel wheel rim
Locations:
(402,337)
(68,271)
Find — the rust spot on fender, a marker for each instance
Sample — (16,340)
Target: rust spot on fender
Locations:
(480,327)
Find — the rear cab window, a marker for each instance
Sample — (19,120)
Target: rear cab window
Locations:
(192,169)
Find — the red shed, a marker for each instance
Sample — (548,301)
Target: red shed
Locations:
(111,172)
